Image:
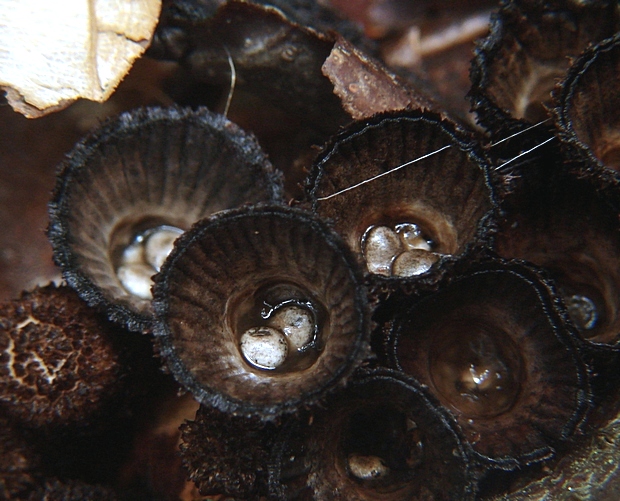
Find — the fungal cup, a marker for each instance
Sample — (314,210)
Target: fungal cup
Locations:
(403,190)
(492,348)
(127,191)
(260,310)
(586,105)
(381,437)
(526,52)
(568,225)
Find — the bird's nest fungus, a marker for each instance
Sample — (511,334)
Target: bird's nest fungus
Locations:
(291,272)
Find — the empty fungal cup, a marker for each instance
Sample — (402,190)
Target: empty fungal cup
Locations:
(588,99)
(491,347)
(527,51)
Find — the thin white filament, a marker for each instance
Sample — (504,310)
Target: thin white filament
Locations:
(233,82)
(402,166)
(320,199)
(524,153)
(520,132)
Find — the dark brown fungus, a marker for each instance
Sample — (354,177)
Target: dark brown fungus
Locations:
(58,360)
(260,310)
(130,188)
(227,454)
(527,52)
(569,225)
(381,438)
(398,211)
(589,98)
(493,350)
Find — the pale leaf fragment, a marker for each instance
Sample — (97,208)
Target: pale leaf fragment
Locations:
(52,53)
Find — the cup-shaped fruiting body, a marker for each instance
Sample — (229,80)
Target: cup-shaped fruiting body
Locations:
(260,310)
(589,97)
(128,190)
(381,438)
(569,226)
(492,349)
(527,52)
(403,190)
(59,361)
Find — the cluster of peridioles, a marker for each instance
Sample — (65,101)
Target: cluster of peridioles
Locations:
(433,313)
